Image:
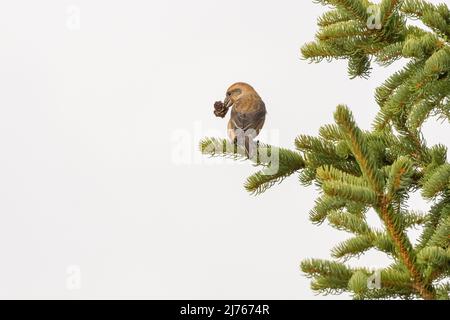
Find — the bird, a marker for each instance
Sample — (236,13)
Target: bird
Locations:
(248,114)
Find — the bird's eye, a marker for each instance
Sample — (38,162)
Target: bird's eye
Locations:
(228,93)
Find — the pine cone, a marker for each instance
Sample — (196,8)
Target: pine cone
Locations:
(219,109)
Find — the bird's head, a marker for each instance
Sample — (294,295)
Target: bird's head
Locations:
(236,92)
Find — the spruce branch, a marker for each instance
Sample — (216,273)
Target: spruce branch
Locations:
(357,141)
(357,170)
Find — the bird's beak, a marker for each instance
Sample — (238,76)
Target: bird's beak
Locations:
(227,102)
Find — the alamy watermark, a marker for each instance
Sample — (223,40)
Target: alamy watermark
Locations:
(185,147)
(374,19)
(374,281)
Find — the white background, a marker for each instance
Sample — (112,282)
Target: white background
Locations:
(99,164)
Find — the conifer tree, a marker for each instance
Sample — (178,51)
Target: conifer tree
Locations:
(362,172)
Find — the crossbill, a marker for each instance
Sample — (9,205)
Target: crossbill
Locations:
(248,114)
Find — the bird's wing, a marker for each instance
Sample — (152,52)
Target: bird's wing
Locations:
(249,120)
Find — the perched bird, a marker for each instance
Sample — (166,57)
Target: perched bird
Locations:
(248,114)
